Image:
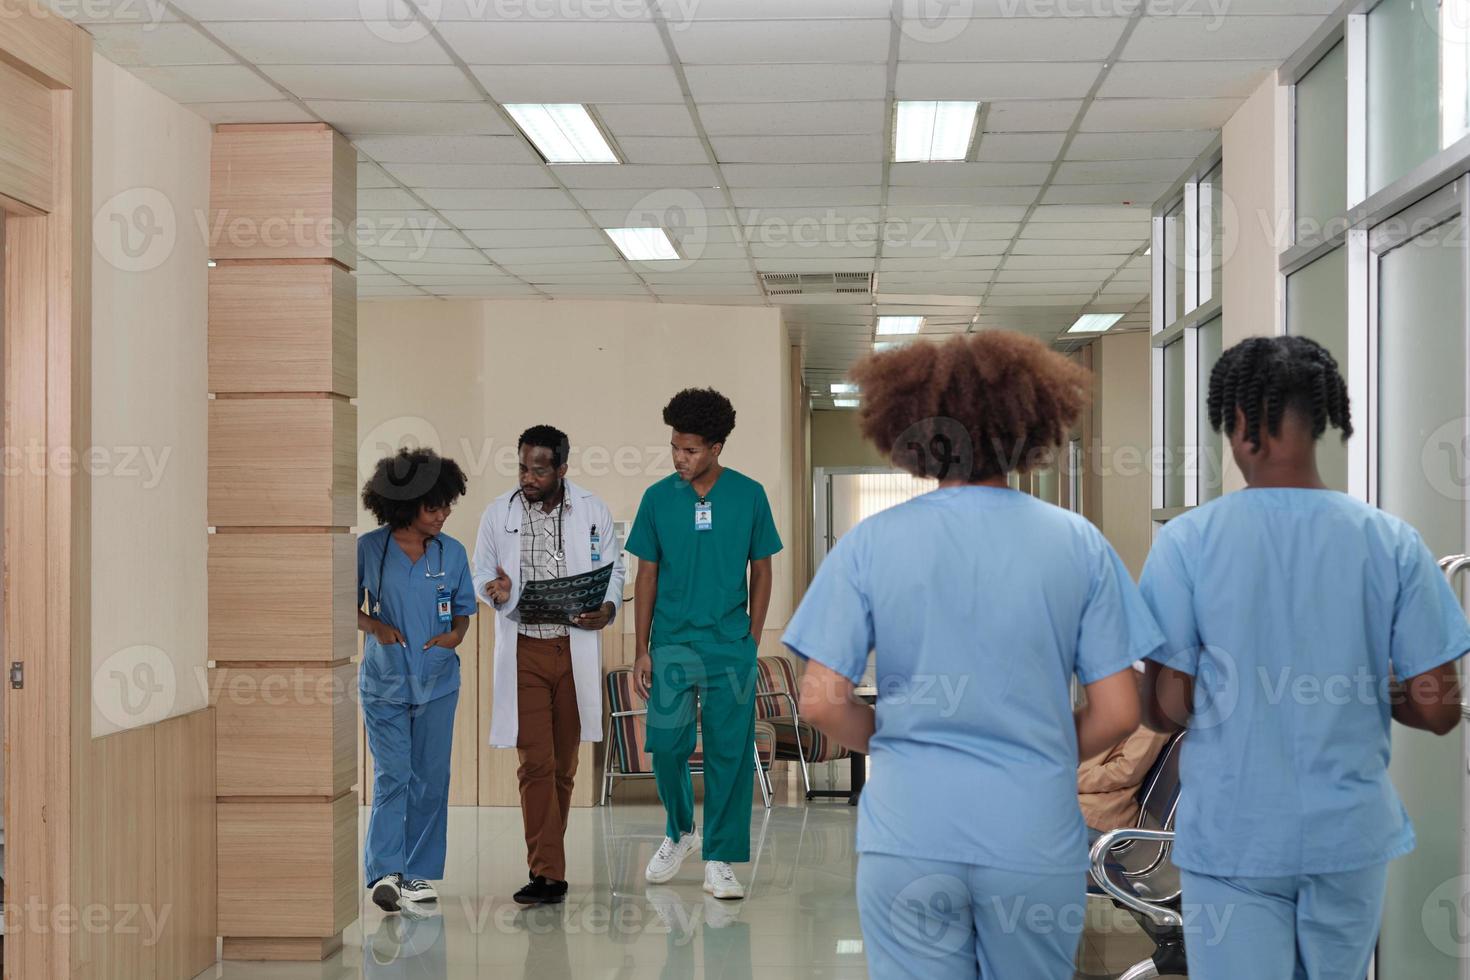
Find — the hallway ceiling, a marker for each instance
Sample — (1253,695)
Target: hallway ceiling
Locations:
(758,130)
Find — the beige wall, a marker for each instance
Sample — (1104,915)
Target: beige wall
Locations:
(467,377)
(1122,439)
(836,441)
(1254,149)
(150,170)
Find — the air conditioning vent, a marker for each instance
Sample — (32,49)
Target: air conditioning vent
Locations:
(817,283)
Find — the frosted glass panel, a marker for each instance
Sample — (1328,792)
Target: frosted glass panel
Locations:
(1174,424)
(1211,443)
(1417,71)
(1317,307)
(1212,235)
(1174,264)
(858,496)
(1422,371)
(1321,143)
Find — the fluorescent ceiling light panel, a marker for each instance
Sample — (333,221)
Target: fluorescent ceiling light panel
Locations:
(890,326)
(933,132)
(844,389)
(845,402)
(563,132)
(1094,322)
(642,244)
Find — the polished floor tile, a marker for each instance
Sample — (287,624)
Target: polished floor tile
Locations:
(799,917)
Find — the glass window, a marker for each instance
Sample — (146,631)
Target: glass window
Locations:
(1174,448)
(1417,67)
(1174,264)
(1211,443)
(1321,144)
(1317,307)
(1212,233)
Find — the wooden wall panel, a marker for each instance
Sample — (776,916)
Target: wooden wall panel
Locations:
(184,834)
(25,140)
(282,328)
(285,730)
(279,462)
(282,192)
(42,45)
(287,870)
(282,597)
(121,819)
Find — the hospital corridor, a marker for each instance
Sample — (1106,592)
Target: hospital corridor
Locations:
(733,489)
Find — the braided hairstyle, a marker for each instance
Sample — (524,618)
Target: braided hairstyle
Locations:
(1264,376)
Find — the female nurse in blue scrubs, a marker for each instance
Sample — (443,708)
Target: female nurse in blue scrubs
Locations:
(1299,621)
(980,604)
(415,602)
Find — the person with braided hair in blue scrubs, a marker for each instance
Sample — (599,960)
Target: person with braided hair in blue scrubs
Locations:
(1300,622)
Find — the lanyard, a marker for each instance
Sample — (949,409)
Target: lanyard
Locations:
(383,561)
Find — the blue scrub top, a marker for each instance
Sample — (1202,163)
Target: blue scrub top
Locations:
(1289,607)
(981,604)
(408,594)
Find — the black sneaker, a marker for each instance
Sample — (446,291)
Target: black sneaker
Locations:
(542,891)
(388,892)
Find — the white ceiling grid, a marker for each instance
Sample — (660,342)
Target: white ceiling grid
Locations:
(757,130)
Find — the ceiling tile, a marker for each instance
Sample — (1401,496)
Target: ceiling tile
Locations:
(1144,115)
(541,42)
(646,120)
(962,195)
(112,11)
(662,149)
(786,83)
(1206,38)
(378,118)
(447,149)
(486,199)
(472,175)
(1144,194)
(774,42)
(388,83)
(1140,146)
(1029,116)
(1184,79)
(344,42)
(446,12)
(580,83)
(681,13)
(252,112)
(279,10)
(994,80)
(797,149)
(640,200)
(968,175)
(801,175)
(562,253)
(745,197)
(635,175)
(1090,212)
(793,118)
(1019,147)
(1015,39)
(515,219)
(1122,171)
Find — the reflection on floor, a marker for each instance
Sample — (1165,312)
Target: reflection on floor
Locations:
(799,918)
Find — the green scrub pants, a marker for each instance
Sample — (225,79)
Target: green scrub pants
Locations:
(722,676)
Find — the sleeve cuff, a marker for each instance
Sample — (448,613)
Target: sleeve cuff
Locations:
(1453,650)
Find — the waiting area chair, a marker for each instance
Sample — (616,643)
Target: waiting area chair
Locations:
(1131,867)
(775,705)
(626,755)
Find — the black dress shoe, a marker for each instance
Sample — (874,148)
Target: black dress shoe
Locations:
(542,891)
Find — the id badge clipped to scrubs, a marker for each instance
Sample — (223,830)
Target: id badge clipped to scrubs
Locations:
(443,608)
(704,516)
(596,545)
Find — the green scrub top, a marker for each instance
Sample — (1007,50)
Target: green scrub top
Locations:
(702,593)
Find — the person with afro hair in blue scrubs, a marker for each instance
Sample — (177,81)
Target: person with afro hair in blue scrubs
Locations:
(1300,623)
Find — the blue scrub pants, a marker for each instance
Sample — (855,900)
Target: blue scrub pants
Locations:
(409,825)
(1302,927)
(957,921)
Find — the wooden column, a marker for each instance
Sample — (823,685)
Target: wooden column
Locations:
(282,571)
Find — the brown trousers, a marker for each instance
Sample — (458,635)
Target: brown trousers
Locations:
(550,736)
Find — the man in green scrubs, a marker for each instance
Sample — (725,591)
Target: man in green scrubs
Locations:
(696,533)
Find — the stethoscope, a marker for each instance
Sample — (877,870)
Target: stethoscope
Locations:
(560,554)
(383,561)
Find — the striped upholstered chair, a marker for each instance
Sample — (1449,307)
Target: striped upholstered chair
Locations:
(775,705)
(625,755)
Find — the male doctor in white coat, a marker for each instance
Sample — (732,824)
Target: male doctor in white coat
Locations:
(548,678)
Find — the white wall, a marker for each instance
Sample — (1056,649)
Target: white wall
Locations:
(150,171)
(467,377)
(1123,437)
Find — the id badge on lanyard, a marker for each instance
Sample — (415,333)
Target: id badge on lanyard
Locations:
(704,516)
(596,546)
(443,607)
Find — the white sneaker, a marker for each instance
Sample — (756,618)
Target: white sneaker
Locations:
(418,890)
(387,891)
(720,880)
(666,860)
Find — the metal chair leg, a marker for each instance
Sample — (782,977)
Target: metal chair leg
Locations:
(760,775)
(607,767)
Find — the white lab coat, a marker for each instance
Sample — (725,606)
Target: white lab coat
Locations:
(499,543)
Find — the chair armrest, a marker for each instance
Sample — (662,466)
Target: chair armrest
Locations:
(778,695)
(1158,914)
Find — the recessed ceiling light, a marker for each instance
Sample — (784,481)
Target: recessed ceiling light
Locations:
(845,402)
(889,326)
(642,244)
(928,132)
(1094,322)
(844,389)
(564,132)
(883,345)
